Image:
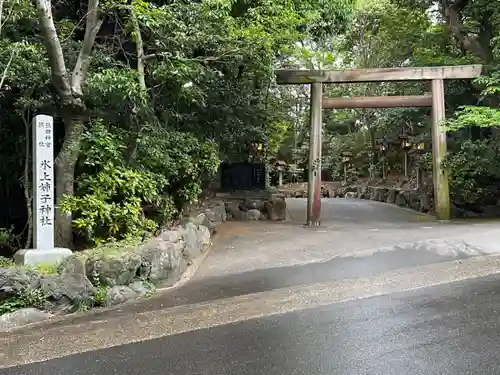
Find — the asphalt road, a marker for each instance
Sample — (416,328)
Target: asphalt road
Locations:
(449,329)
(375,290)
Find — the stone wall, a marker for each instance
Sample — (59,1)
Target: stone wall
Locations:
(247,205)
(417,200)
(109,275)
(413,199)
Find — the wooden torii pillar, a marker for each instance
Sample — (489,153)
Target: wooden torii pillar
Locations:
(437,75)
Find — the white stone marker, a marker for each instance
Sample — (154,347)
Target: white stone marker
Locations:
(43,197)
(43,183)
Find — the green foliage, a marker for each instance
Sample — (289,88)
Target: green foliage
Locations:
(113,194)
(100,290)
(468,116)
(27,298)
(6,262)
(475,171)
(5,236)
(46,269)
(109,204)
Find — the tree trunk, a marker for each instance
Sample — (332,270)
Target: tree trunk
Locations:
(65,164)
(25,180)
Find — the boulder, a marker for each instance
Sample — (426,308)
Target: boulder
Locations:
(161,261)
(381,194)
(425,203)
(13,281)
(214,216)
(253,204)
(22,317)
(276,208)
(391,196)
(118,267)
(119,294)
(67,292)
(414,201)
(141,288)
(400,200)
(198,219)
(233,209)
(196,238)
(73,265)
(253,214)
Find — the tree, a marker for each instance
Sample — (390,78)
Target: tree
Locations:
(69,93)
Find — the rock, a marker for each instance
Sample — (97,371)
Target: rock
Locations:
(300,194)
(233,208)
(391,196)
(400,200)
(253,204)
(141,288)
(13,281)
(425,203)
(235,213)
(276,208)
(22,317)
(381,194)
(196,238)
(161,261)
(242,206)
(219,212)
(73,265)
(214,216)
(119,294)
(350,194)
(114,268)
(253,214)
(198,219)
(414,201)
(67,292)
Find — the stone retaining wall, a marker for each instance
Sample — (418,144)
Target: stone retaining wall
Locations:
(416,200)
(413,199)
(247,205)
(108,276)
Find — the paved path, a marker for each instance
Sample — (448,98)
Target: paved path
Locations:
(350,227)
(442,330)
(375,290)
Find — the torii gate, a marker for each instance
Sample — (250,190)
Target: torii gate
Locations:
(437,75)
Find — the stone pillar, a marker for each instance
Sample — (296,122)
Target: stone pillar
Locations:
(43,198)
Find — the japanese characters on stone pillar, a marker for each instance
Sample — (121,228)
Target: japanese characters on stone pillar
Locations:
(43,182)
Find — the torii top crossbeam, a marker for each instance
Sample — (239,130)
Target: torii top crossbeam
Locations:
(378,75)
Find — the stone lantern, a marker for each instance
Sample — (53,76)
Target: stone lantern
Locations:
(346,159)
(418,149)
(405,146)
(280,167)
(382,148)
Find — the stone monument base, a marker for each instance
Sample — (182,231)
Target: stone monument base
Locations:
(34,257)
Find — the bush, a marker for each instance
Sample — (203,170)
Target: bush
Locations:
(475,171)
(120,196)
(109,205)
